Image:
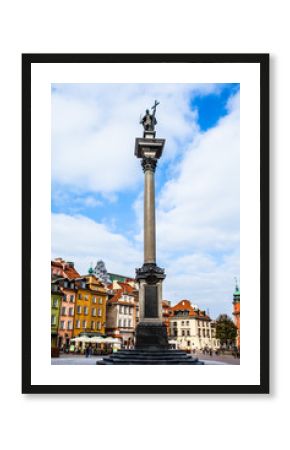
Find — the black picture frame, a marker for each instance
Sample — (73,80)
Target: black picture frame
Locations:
(27,61)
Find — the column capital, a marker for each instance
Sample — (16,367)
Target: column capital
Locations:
(149,164)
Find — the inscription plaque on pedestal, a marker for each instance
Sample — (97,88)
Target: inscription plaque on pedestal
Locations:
(151,301)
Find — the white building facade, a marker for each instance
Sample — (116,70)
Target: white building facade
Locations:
(121,314)
(191,328)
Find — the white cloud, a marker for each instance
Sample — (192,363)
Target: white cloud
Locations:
(199,209)
(202,279)
(82,240)
(92,136)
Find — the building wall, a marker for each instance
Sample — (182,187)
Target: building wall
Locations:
(193,333)
(90,312)
(56,298)
(121,318)
(66,319)
(236,314)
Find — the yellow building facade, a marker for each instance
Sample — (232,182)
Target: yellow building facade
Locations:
(90,307)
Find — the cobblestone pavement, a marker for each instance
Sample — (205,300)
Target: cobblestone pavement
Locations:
(79,360)
(219,359)
(82,360)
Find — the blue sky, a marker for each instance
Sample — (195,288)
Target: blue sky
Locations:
(97,183)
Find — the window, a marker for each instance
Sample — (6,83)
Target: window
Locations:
(83,285)
(94,299)
(63,311)
(72,285)
(71,312)
(62,324)
(79,309)
(53,320)
(121,309)
(187,323)
(69,325)
(86,297)
(93,325)
(94,312)
(120,322)
(65,284)
(86,310)
(188,332)
(182,333)
(100,301)
(99,325)
(84,324)
(55,303)
(100,312)
(125,322)
(129,322)
(80,296)
(78,323)
(182,323)
(72,298)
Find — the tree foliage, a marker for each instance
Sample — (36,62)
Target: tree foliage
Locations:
(226,330)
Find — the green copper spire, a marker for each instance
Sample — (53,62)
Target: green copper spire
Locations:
(237,289)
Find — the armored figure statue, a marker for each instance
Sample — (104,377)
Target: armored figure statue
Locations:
(149,120)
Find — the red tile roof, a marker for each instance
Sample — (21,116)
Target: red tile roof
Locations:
(67,270)
(71,272)
(185,305)
(124,289)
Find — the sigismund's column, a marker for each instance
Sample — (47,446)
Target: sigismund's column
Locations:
(150,332)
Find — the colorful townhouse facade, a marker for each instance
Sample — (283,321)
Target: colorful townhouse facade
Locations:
(90,307)
(56,300)
(67,312)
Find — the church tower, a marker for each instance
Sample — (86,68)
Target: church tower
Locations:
(236,311)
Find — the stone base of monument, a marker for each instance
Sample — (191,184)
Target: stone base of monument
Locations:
(151,349)
(149,357)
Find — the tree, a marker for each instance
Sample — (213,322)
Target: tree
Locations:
(226,330)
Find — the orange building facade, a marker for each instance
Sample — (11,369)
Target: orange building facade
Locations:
(90,307)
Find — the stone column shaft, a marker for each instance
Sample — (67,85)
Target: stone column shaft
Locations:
(149,218)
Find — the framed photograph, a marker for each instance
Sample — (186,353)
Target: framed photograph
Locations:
(145,215)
